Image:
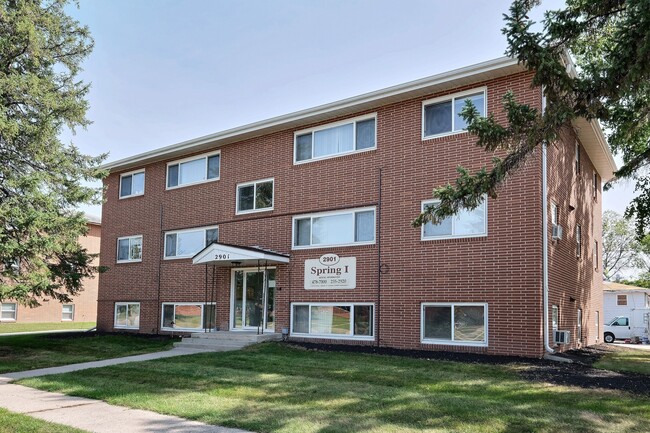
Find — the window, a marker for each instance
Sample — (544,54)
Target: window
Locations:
(578,241)
(596,185)
(335,139)
(621,299)
(255,196)
(8,311)
(554,214)
(577,158)
(596,255)
(456,323)
(132,184)
(621,321)
(555,317)
(579,324)
(188,316)
(186,243)
(129,249)
(324,320)
(67,313)
(127,315)
(465,224)
(441,116)
(196,169)
(353,227)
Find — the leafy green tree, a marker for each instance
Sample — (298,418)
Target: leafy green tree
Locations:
(42,180)
(621,250)
(610,43)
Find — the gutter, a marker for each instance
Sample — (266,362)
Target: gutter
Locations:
(547,347)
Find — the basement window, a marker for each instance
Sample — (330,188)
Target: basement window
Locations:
(336,321)
(454,323)
(127,315)
(187,316)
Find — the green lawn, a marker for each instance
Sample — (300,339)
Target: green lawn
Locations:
(276,388)
(6,328)
(28,352)
(16,423)
(626,360)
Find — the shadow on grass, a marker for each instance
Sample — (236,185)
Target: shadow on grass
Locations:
(272,388)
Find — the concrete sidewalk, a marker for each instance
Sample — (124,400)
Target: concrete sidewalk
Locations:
(94,415)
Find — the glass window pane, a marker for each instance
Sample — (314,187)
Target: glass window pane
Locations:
(135,252)
(478,100)
(300,319)
(190,243)
(168,316)
(246,197)
(68,312)
(364,226)
(333,140)
(330,320)
(172,175)
(138,184)
(123,249)
(437,323)
(125,187)
(170,245)
(192,171)
(441,229)
(264,195)
(333,229)
(120,315)
(209,316)
(366,134)
(303,231)
(239,296)
(211,235)
(469,323)
(133,316)
(214,166)
(189,316)
(303,147)
(437,118)
(470,222)
(363,320)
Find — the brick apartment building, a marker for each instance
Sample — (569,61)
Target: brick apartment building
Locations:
(301,224)
(83,307)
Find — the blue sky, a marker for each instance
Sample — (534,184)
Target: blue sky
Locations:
(166,71)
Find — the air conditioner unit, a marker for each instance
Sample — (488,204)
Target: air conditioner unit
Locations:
(557,232)
(562,337)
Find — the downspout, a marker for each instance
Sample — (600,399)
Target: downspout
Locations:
(547,347)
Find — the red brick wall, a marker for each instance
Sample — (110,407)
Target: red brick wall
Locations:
(503,269)
(85,304)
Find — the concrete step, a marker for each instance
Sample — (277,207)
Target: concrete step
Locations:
(206,342)
(223,341)
(204,347)
(237,336)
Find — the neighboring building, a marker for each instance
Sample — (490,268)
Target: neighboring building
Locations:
(83,307)
(311,212)
(630,306)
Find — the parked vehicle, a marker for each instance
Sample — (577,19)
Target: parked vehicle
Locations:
(623,327)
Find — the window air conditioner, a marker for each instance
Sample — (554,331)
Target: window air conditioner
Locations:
(557,232)
(562,337)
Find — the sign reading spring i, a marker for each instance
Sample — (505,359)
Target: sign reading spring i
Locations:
(331,272)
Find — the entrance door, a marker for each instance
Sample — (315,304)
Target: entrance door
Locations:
(253,305)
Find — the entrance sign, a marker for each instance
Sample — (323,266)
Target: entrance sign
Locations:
(331,272)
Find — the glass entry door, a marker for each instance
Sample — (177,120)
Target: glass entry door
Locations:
(253,299)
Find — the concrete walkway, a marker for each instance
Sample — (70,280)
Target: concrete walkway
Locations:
(94,415)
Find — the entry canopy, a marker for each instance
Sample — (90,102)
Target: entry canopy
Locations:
(226,255)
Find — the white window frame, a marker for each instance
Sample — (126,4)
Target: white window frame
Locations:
(15,311)
(325,214)
(335,336)
(453,223)
(577,161)
(129,260)
(578,241)
(452,98)
(451,342)
(352,120)
(579,324)
(200,304)
(131,173)
(555,317)
(63,319)
(176,232)
(554,214)
(188,159)
(127,303)
(254,183)
(596,255)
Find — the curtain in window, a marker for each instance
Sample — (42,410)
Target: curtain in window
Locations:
(333,140)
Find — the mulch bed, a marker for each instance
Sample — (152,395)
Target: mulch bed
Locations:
(577,373)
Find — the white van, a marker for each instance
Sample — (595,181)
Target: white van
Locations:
(623,327)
